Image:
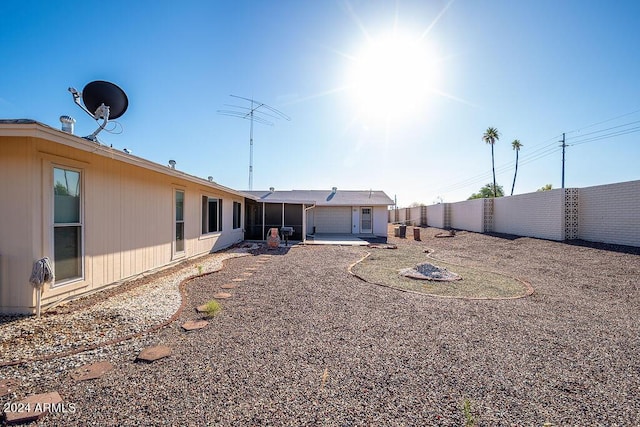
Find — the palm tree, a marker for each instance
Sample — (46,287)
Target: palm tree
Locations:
(516,144)
(490,136)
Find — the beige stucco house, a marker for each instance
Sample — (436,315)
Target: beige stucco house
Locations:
(100,214)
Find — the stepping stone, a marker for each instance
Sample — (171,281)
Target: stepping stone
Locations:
(192,325)
(91,371)
(222,295)
(8,386)
(201,308)
(33,408)
(237,280)
(251,268)
(247,273)
(228,286)
(151,354)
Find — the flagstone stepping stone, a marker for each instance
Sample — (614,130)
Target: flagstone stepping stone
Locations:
(8,386)
(201,308)
(228,286)
(237,280)
(151,354)
(91,371)
(247,273)
(251,268)
(192,325)
(222,295)
(32,408)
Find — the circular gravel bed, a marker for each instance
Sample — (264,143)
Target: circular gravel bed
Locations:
(303,342)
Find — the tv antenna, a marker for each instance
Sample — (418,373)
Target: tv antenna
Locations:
(102,100)
(257,112)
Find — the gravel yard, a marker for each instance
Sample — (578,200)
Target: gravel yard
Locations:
(303,342)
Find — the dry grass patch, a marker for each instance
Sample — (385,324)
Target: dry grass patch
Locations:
(382,267)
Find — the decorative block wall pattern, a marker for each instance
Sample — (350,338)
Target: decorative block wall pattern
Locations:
(487,215)
(570,213)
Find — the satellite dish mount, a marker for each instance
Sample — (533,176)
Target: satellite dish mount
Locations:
(102,100)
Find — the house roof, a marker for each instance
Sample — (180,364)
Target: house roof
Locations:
(32,128)
(325,197)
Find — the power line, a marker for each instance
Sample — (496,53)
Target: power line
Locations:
(546,150)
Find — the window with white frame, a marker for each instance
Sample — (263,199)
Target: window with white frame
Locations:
(237,215)
(67,224)
(211,214)
(179,236)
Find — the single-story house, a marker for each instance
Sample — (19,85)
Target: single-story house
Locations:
(100,214)
(317,212)
(103,216)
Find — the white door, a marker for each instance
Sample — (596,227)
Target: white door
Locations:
(355,220)
(366,220)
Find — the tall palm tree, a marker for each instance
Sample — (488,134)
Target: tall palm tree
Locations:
(516,144)
(490,136)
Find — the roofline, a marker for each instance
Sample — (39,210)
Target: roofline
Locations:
(34,129)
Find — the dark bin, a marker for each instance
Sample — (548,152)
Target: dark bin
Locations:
(416,234)
(402,231)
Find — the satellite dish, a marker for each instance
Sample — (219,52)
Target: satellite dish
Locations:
(100,92)
(102,100)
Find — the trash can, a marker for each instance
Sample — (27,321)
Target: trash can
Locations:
(416,234)
(402,231)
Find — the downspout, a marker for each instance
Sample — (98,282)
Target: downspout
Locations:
(304,222)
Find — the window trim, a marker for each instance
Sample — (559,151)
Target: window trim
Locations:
(81,224)
(176,253)
(239,218)
(205,221)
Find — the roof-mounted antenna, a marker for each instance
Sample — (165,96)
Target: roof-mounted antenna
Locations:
(102,100)
(253,115)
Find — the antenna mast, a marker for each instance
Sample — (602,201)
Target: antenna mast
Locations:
(255,113)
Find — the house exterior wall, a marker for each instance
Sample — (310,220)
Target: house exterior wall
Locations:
(468,215)
(539,214)
(128,219)
(380,220)
(610,213)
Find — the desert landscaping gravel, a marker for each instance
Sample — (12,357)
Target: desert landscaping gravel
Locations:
(303,342)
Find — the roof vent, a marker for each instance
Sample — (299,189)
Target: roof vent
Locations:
(334,189)
(172,164)
(272,189)
(210,178)
(67,124)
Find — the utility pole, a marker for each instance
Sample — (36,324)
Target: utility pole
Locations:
(563,147)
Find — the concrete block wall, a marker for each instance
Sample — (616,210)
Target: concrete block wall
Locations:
(539,214)
(610,213)
(468,215)
(605,213)
(435,215)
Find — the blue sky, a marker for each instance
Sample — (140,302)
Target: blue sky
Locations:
(383,95)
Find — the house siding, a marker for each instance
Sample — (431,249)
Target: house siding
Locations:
(128,219)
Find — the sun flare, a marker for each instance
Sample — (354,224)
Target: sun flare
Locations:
(392,77)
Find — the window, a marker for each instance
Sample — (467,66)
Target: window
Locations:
(211,215)
(179,247)
(237,215)
(67,224)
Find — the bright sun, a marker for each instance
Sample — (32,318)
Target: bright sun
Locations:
(392,77)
